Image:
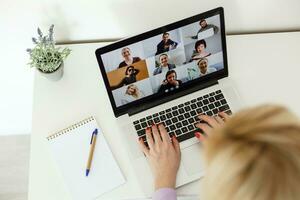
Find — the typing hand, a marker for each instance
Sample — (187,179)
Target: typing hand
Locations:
(210,123)
(163,155)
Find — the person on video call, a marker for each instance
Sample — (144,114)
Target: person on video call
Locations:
(166,44)
(200,51)
(171,82)
(130,77)
(255,154)
(132,93)
(164,64)
(128,59)
(204,27)
(204,68)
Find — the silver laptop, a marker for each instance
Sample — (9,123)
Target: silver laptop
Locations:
(169,75)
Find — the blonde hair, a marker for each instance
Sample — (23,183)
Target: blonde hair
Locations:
(137,91)
(255,155)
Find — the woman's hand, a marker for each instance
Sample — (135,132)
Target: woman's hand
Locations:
(209,124)
(163,155)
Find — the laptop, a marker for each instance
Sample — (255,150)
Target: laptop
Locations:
(169,75)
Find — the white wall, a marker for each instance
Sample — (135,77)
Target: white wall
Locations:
(108,19)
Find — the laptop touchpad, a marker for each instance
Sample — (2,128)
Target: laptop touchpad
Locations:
(192,159)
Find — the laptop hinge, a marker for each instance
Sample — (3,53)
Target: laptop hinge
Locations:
(148,105)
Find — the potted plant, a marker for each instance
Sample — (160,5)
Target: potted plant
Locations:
(47,58)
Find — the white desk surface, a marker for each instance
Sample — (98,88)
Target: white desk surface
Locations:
(264,67)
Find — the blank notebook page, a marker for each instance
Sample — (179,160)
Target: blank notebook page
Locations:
(70,148)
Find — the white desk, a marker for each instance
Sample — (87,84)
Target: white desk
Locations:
(265,68)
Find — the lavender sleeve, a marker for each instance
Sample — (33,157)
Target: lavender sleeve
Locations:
(164,194)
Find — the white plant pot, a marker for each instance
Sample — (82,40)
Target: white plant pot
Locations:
(56,75)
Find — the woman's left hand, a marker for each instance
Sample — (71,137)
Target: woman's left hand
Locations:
(163,155)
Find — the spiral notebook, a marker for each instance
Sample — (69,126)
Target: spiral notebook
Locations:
(70,148)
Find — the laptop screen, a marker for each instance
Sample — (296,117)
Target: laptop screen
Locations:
(165,60)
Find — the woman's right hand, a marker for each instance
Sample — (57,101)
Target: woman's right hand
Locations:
(208,123)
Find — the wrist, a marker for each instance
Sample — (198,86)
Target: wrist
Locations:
(164,183)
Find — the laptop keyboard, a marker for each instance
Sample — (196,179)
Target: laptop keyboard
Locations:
(180,120)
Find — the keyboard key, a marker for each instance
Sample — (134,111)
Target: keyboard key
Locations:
(137,127)
(215,111)
(155,115)
(212,94)
(178,125)
(191,127)
(136,122)
(181,110)
(224,107)
(161,112)
(169,115)
(187,115)
(205,102)
(172,127)
(174,119)
(194,101)
(199,110)
(150,122)
(156,120)
(141,132)
(168,122)
(168,110)
(193,106)
(187,103)
(144,125)
(174,108)
(218,91)
(180,105)
(187,108)
(185,123)
(211,106)
(143,119)
(178,132)
(209,113)
(199,98)
(219,96)
(217,104)
(191,120)
(223,101)
(211,99)
(180,117)
(168,129)
(205,108)
(149,117)
(162,118)
(196,118)
(199,104)
(175,113)
(205,96)
(192,113)
(171,134)
(186,136)
(184,130)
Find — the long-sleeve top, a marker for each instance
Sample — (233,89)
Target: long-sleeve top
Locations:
(164,194)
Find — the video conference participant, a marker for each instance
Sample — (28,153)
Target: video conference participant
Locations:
(170,83)
(128,59)
(204,27)
(166,44)
(132,93)
(199,51)
(130,77)
(164,64)
(204,68)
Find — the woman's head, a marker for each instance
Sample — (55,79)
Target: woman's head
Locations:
(131,89)
(255,155)
(129,70)
(126,53)
(164,59)
(171,76)
(200,46)
(202,65)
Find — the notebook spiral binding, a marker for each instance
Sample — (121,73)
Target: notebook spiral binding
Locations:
(70,128)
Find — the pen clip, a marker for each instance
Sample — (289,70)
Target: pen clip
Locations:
(94,133)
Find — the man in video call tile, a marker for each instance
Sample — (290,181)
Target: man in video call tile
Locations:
(166,44)
(164,64)
(204,26)
(204,68)
(170,83)
(128,59)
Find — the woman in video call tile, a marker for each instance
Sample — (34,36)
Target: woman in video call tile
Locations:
(132,93)
(130,77)
(170,83)
(164,64)
(204,68)
(199,51)
(128,59)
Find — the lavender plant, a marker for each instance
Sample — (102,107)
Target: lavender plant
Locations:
(45,56)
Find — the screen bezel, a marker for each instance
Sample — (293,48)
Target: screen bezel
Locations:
(118,111)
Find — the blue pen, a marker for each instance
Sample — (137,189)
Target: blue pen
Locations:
(92,148)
